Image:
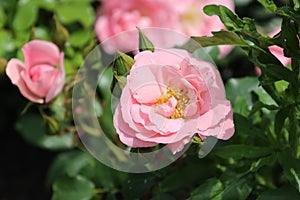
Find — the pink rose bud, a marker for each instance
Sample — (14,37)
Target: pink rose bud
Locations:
(41,77)
(169,96)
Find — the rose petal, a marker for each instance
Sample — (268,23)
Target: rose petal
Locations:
(178,146)
(148,93)
(126,134)
(58,83)
(40,52)
(215,114)
(167,109)
(223,130)
(127,103)
(189,128)
(164,125)
(14,70)
(45,76)
(159,57)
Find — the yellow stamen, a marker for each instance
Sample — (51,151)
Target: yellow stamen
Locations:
(182,101)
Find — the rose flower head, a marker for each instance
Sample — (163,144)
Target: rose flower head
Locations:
(169,97)
(184,16)
(41,77)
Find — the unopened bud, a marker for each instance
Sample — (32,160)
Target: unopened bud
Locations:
(144,43)
(60,35)
(121,67)
(3,63)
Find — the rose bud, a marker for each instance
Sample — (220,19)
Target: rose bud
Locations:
(41,77)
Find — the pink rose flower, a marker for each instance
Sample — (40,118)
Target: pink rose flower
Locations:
(118,16)
(183,16)
(41,77)
(194,22)
(277,52)
(169,96)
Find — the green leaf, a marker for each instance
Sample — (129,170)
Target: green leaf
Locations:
(80,38)
(25,16)
(208,54)
(296,178)
(107,177)
(296,5)
(32,129)
(290,40)
(241,87)
(68,163)
(171,183)
(221,38)
(162,196)
(144,43)
(210,189)
(269,5)
(137,185)
(240,151)
(80,11)
(46,4)
(291,167)
(230,20)
(2,17)
(286,192)
(73,188)
(278,72)
(236,188)
(41,33)
(243,126)
(280,118)
(259,105)
(266,161)
(214,189)
(7,44)
(281,85)
(238,91)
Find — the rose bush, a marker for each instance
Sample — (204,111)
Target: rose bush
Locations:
(169,96)
(41,77)
(183,16)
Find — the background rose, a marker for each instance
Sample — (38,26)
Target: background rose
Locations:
(184,16)
(38,78)
(277,51)
(169,96)
(194,22)
(118,16)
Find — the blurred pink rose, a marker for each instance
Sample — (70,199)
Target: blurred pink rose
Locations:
(118,16)
(186,17)
(194,22)
(42,76)
(277,52)
(169,96)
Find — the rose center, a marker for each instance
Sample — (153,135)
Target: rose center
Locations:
(181,99)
